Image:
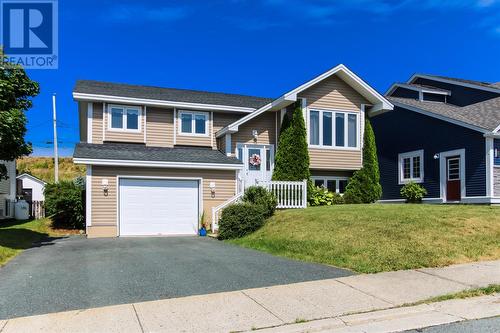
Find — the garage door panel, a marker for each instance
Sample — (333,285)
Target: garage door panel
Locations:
(158,207)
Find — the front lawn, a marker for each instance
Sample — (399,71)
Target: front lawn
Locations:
(382,237)
(16,236)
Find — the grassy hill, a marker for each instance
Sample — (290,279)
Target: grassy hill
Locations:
(43,168)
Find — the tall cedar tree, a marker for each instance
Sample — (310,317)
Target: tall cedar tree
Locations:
(292,156)
(364,186)
(16,91)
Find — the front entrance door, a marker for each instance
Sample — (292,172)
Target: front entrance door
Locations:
(453,181)
(258,161)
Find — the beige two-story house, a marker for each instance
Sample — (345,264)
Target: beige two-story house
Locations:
(159,159)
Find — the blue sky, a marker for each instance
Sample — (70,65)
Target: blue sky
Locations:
(258,47)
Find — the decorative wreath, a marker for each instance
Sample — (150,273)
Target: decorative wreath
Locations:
(255,160)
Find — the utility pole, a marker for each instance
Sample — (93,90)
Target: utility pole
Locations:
(56,155)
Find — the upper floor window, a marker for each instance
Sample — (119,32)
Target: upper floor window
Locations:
(411,167)
(193,123)
(333,129)
(124,117)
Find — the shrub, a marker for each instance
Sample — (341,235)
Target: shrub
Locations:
(364,186)
(240,219)
(320,196)
(292,155)
(64,203)
(413,192)
(258,195)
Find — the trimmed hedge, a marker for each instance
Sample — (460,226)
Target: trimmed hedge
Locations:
(64,203)
(240,219)
(258,195)
(320,196)
(413,192)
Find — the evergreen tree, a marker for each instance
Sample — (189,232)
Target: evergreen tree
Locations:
(364,186)
(292,156)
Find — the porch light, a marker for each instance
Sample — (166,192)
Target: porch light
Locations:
(255,134)
(105,186)
(211,186)
(436,156)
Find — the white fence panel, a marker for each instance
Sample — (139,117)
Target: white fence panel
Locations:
(290,194)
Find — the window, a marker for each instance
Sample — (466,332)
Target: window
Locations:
(333,129)
(193,123)
(124,118)
(332,184)
(411,167)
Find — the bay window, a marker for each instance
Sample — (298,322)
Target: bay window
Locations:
(333,129)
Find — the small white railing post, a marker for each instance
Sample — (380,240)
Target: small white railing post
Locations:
(304,193)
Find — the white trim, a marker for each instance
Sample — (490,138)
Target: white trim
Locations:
(394,86)
(175,124)
(160,103)
(411,154)
(427,200)
(104,119)
(88,197)
(457,83)
(158,164)
(362,125)
(35,179)
(193,114)
(124,128)
(334,119)
(228,144)
(489,166)
(468,200)
(145,124)
(327,178)
(212,129)
(440,117)
(90,114)
(200,194)
(381,103)
(442,172)
(496,129)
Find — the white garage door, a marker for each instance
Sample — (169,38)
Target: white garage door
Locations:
(158,207)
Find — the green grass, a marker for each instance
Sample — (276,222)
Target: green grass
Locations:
(491,289)
(16,236)
(43,168)
(382,237)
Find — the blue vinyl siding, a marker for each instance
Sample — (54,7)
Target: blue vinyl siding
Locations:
(401,131)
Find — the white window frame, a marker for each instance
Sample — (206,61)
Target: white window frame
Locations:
(193,123)
(410,155)
(327,178)
(124,118)
(346,129)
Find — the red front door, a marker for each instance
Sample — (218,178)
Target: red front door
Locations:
(453,180)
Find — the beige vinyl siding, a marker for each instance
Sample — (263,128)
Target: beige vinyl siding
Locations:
(333,93)
(97,128)
(221,144)
(265,124)
(82,119)
(104,207)
(335,159)
(184,139)
(159,127)
(111,135)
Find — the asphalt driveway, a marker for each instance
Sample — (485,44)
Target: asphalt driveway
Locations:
(78,273)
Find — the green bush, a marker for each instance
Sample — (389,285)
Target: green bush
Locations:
(260,196)
(320,196)
(413,192)
(292,155)
(240,219)
(65,204)
(364,186)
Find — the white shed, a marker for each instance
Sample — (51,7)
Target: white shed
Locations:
(32,187)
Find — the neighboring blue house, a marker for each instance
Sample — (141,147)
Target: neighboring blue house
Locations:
(443,134)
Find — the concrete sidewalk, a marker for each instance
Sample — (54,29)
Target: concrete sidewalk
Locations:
(326,304)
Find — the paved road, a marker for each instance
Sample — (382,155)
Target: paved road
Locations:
(76,273)
(487,325)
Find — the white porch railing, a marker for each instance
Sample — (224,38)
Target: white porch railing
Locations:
(290,194)
(218,209)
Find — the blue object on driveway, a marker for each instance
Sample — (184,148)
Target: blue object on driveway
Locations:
(203,232)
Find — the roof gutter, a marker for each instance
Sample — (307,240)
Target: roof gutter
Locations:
(160,103)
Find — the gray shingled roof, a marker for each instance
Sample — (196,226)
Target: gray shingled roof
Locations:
(136,152)
(485,114)
(168,94)
(478,83)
